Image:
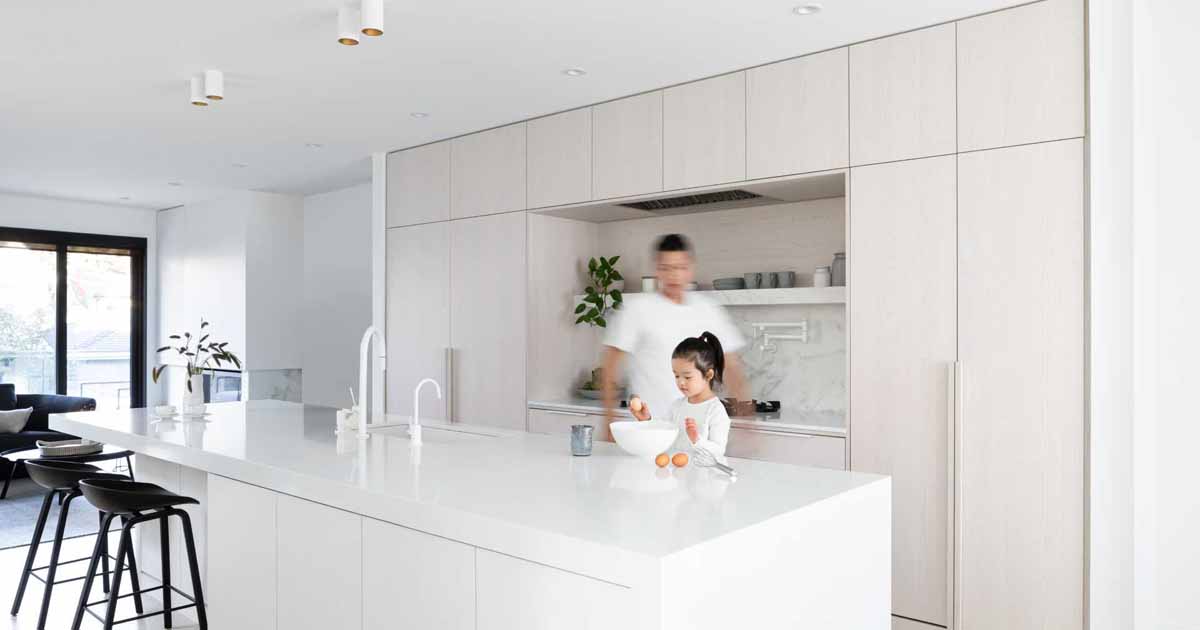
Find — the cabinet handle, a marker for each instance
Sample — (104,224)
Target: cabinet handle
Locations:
(566,413)
(449,384)
(954,400)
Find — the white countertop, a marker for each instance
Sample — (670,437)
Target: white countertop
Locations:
(827,423)
(517,493)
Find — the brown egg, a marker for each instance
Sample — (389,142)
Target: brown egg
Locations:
(635,404)
(662,460)
(679,459)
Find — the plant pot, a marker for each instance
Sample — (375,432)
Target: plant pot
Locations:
(195,398)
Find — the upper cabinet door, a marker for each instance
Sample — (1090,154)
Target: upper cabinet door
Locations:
(487,320)
(627,146)
(487,172)
(418,185)
(560,159)
(797,120)
(704,132)
(902,96)
(1020,75)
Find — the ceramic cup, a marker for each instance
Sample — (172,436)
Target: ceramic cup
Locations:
(754,280)
(783,279)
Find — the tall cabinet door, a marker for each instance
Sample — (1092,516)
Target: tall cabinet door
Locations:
(418,315)
(487,322)
(1021,424)
(903,321)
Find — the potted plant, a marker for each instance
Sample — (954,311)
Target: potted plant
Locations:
(199,354)
(601,295)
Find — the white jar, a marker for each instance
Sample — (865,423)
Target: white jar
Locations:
(649,284)
(821,277)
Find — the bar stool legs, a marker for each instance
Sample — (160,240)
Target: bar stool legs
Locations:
(52,569)
(164,536)
(194,569)
(32,554)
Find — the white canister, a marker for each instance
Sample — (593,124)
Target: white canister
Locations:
(822,277)
(649,284)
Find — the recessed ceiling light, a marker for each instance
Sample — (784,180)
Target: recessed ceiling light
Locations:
(420,114)
(807,9)
(574,72)
(240,165)
(176,184)
(125,197)
(314,145)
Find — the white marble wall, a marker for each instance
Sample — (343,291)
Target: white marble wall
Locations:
(808,378)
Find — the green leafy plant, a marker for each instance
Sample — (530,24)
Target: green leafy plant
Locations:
(599,297)
(199,352)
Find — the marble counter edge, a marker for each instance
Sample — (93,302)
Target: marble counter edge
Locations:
(748,423)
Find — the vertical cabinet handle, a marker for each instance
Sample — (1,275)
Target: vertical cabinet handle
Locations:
(954,435)
(449,384)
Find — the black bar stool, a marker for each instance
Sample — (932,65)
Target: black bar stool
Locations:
(61,479)
(137,502)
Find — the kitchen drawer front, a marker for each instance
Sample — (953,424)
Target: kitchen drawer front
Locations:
(788,448)
(559,423)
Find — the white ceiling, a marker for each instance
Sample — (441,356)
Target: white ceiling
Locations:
(93,95)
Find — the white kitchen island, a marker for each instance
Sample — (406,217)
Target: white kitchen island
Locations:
(485,529)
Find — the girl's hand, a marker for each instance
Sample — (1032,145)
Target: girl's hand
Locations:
(639,409)
(692,432)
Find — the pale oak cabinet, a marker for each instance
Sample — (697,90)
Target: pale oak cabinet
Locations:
(1021,309)
(903,284)
(796,118)
(418,185)
(902,96)
(1021,75)
(704,132)
(560,159)
(627,146)
(418,315)
(487,172)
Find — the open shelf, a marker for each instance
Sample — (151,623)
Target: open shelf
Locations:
(763,297)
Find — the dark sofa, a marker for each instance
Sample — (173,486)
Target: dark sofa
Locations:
(37,427)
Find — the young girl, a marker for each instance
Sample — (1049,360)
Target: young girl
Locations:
(699,364)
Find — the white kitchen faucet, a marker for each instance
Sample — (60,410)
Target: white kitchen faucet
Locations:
(414,427)
(364,404)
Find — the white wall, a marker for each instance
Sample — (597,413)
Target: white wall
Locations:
(38,213)
(337,291)
(274,282)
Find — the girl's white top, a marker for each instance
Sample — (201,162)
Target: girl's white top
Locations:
(712,423)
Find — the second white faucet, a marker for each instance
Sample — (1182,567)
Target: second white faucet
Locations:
(414,427)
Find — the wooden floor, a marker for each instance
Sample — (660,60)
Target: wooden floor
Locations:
(66,596)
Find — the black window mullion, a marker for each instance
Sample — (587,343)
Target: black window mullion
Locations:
(60,327)
(137,327)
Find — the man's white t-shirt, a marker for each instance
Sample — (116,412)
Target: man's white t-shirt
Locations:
(648,327)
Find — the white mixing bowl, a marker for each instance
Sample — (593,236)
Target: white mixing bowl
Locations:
(644,439)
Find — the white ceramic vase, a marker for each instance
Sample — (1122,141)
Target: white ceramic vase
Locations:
(194,399)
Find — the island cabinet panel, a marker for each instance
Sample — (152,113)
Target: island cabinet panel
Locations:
(627,146)
(704,132)
(1021,426)
(487,172)
(418,315)
(487,323)
(418,185)
(241,589)
(904,250)
(320,566)
(415,580)
(560,159)
(515,594)
(902,96)
(796,116)
(1021,75)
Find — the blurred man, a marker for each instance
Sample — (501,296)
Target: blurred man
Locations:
(648,329)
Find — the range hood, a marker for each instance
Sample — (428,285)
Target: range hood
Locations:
(708,199)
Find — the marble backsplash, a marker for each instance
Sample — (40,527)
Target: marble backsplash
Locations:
(805,377)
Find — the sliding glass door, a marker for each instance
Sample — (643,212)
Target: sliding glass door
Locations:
(72,315)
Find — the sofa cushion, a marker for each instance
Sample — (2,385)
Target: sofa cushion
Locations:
(13,420)
(8,396)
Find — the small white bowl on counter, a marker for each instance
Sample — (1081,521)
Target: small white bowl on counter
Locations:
(643,439)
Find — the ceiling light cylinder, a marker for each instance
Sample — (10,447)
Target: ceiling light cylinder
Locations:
(347,31)
(372,18)
(197,92)
(214,85)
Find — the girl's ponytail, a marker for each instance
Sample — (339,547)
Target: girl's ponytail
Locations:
(705,353)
